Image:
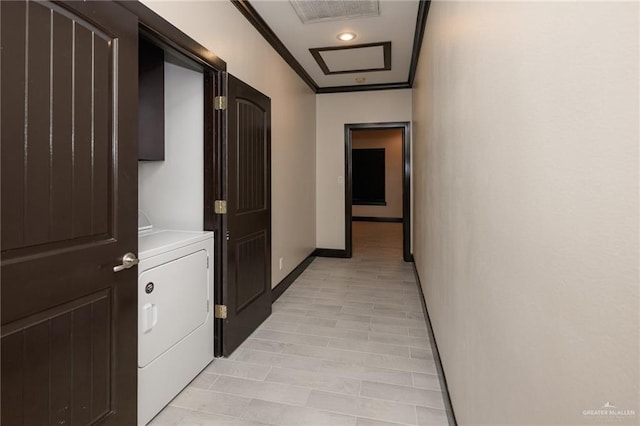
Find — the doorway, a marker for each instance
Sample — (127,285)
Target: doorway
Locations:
(374,197)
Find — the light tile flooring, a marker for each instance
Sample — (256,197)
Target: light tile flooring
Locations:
(346,345)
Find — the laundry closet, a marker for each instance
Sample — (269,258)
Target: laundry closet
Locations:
(175,274)
(114,116)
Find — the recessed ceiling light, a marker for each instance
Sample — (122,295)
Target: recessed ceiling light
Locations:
(346,36)
(360,79)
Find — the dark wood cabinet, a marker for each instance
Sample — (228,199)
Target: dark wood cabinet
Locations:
(151,102)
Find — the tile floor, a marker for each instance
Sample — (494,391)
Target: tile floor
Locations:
(346,344)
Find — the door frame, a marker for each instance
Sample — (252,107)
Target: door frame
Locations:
(405,126)
(157,29)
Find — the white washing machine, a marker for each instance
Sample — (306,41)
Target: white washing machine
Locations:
(175,314)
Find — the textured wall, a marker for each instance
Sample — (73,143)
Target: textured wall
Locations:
(526,206)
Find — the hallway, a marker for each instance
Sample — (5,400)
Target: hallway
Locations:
(346,345)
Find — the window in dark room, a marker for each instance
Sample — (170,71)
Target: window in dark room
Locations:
(368,176)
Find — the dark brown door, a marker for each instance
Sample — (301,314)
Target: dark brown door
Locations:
(247,291)
(69,197)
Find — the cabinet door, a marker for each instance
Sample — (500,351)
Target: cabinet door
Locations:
(69,199)
(151,102)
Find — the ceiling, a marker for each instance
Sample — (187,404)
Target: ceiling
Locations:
(381,56)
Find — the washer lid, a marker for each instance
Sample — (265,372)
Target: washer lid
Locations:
(153,243)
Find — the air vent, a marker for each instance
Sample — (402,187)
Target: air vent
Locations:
(311,11)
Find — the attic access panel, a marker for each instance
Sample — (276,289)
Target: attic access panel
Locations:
(351,59)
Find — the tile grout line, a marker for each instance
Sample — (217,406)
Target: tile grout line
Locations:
(219,392)
(218,378)
(375,399)
(330,374)
(338,349)
(366,353)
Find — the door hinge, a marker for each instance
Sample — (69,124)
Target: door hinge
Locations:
(220,311)
(220,206)
(220,102)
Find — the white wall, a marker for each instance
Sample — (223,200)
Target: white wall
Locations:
(220,27)
(333,111)
(526,130)
(170,191)
(391,141)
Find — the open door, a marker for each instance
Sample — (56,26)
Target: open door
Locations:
(69,201)
(246,291)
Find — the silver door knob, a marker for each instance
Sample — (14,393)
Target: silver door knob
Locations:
(129,260)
